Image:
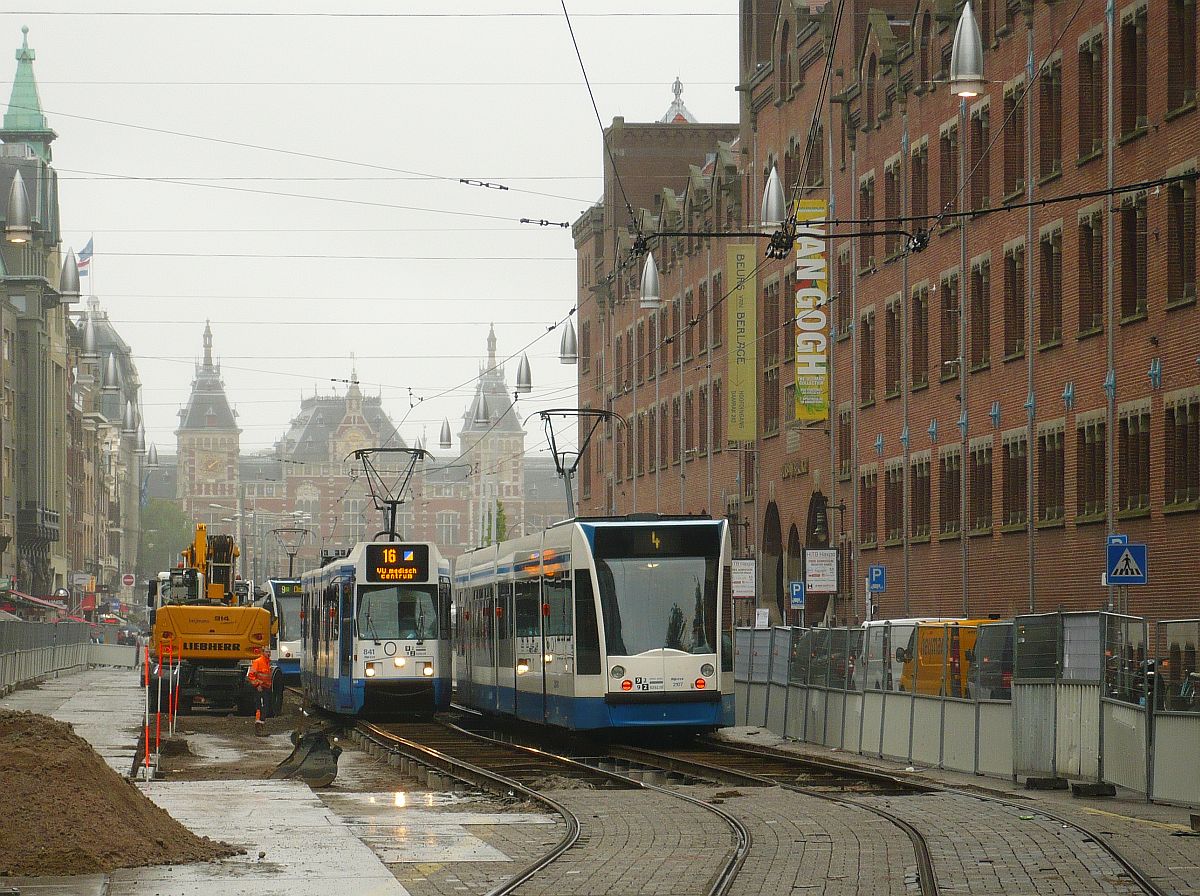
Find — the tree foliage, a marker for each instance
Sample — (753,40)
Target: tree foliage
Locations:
(166,531)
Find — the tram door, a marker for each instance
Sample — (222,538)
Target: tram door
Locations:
(530,666)
(346,646)
(506,691)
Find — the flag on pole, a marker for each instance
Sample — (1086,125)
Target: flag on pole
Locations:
(84,261)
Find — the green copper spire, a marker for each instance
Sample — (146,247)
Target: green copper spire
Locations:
(24,121)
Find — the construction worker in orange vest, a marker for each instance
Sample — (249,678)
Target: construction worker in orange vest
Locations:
(260,678)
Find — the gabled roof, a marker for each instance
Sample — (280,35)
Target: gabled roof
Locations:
(677,112)
(491,390)
(24,121)
(207,407)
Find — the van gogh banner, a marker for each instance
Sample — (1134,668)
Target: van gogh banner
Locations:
(812,312)
(741,323)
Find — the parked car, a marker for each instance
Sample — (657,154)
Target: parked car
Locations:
(992,662)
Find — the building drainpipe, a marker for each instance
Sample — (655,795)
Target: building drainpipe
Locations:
(854,387)
(905,163)
(1030,401)
(679,346)
(709,355)
(1110,322)
(834,419)
(963,304)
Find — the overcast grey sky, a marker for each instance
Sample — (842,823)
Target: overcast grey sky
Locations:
(294,178)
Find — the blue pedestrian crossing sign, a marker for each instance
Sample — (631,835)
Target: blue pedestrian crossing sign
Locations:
(1127,564)
(876,578)
(798,594)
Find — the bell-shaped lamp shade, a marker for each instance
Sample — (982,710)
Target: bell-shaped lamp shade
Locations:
(773,201)
(568,349)
(966,56)
(128,425)
(89,336)
(141,439)
(444,439)
(152,456)
(420,443)
(482,414)
(68,280)
(17,225)
(110,374)
(524,378)
(651,296)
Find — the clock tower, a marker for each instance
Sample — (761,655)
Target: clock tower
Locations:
(208,441)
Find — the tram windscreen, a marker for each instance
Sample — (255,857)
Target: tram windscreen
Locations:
(658,588)
(398,612)
(289,617)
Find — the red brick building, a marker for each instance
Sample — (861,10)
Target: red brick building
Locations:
(1030,379)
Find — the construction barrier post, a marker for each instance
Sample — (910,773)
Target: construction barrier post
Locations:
(146,727)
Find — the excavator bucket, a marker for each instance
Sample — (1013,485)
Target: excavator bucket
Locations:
(313,760)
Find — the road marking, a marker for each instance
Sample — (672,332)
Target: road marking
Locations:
(1165,825)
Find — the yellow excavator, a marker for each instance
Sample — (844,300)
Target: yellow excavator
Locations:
(205,634)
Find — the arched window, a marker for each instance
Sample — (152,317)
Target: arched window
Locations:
(870,91)
(926,50)
(785,76)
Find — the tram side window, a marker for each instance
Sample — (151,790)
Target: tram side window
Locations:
(460,640)
(727,620)
(504,622)
(556,594)
(444,607)
(587,636)
(329,613)
(489,627)
(528,609)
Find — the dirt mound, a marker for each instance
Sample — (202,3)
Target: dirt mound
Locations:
(66,811)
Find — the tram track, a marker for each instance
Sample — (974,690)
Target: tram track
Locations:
(512,770)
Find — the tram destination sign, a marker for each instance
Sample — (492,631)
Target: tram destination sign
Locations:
(397,563)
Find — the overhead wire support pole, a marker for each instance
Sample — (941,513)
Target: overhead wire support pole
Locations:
(388,498)
(567,470)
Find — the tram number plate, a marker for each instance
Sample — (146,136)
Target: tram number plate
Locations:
(648,684)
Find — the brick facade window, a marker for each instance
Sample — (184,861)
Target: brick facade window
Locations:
(950,493)
(891,352)
(1091,274)
(585,472)
(866,357)
(1132,114)
(980,494)
(949,326)
(770,401)
(702,423)
(651,440)
(845,450)
(866,212)
(1181,54)
(1133,473)
(918,176)
(919,499)
(1181,242)
(787,316)
(1051,466)
(1016,486)
(619,364)
(891,210)
(629,455)
(1014,301)
(1014,141)
(718,415)
(1134,259)
(1091,98)
(919,331)
(1181,460)
(585,346)
(664,436)
(868,509)
(641,443)
(842,300)
(717,318)
(980,162)
(948,159)
(1050,318)
(769,325)
(618,453)
(702,318)
(893,503)
(689,314)
(689,424)
(663,351)
(675,334)
(1090,466)
(641,352)
(1050,120)
(981,333)
(814,173)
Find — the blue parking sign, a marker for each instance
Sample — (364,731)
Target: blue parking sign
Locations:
(876,578)
(798,595)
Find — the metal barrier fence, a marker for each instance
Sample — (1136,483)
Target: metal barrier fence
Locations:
(31,650)
(1061,695)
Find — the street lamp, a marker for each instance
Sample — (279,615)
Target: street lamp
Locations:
(966,57)
(18,227)
(568,348)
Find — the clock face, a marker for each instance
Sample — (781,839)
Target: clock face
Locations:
(209,465)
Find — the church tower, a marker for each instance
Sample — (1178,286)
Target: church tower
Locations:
(208,441)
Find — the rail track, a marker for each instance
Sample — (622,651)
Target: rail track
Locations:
(442,749)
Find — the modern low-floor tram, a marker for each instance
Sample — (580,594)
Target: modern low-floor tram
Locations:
(600,624)
(287,595)
(375,630)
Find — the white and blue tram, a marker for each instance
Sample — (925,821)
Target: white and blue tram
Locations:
(375,630)
(286,595)
(599,624)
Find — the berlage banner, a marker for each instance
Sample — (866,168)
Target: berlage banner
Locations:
(812,312)
(741,310)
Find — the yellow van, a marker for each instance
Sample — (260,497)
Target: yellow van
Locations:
(941,668)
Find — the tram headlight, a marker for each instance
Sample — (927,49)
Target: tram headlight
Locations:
(707,670)
(522,666)
(618,671)
(370,670)
(427,671)
(399,662)
(287,652)
(547,658)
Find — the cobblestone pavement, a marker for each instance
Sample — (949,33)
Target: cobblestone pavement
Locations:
(806,845)
(984,848)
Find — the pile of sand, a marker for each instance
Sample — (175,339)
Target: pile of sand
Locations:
(65,811)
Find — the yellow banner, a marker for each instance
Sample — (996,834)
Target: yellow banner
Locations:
(741,310)
(812,312)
